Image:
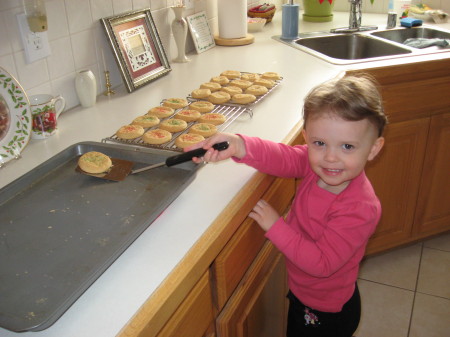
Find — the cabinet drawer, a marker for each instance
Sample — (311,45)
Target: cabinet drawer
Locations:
(233,261)
(195,314)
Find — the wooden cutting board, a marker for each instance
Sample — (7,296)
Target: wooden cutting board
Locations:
(234,42)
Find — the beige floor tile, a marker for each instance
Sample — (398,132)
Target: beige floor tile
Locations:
(430,317)
(385,312)
(441,242)
(434,274)
(397,268)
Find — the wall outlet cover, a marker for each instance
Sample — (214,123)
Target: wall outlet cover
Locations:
(36,45)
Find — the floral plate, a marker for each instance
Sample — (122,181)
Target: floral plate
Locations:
(15,118)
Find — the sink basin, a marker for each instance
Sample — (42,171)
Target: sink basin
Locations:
(365,46)
(351,47)
(400,35)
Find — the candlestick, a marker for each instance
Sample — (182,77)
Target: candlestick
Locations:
(108,91)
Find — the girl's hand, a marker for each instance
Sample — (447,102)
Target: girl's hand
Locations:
(236,148)
(264,214)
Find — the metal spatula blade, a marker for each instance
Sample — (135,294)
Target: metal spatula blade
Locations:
(120,168)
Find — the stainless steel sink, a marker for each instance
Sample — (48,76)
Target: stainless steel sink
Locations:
(400,35)
(365,46)
(351,46)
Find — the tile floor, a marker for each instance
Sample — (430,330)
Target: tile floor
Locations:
(406,292)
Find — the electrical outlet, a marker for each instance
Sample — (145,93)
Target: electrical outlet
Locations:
(36,45)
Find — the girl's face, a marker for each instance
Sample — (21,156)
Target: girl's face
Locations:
(338,149)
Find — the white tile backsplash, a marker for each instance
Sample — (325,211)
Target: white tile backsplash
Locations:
(61,61)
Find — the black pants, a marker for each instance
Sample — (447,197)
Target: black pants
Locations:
(306,322)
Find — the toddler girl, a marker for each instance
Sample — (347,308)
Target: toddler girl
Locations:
(335,210)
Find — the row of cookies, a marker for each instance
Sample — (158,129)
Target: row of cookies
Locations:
(232,86)
(164,122)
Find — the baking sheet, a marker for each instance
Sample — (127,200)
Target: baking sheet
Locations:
(60,230)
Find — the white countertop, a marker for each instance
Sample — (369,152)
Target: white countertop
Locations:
(118,294)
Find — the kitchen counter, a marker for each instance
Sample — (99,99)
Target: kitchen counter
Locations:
(106,307)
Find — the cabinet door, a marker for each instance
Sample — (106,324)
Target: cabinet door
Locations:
(395,175)
(258,306)
(194,316)
(233,261)
(433,206)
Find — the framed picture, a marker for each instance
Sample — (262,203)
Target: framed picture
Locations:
(200,31)
(137,47)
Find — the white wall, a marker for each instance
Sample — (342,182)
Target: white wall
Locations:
(77,38)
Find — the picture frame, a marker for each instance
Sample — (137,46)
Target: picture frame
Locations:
(200,32)
(137,47)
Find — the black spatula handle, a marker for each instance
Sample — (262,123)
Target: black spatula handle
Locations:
(186,156)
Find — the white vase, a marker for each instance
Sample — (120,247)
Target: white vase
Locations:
(86,87)
(179,30)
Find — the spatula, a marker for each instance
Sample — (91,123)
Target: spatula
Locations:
(122,168)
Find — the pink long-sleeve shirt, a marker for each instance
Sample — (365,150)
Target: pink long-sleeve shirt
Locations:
(324,235)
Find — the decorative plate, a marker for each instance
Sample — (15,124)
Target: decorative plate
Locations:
(15,118)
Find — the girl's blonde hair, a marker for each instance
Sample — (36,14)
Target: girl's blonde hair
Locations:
(352,98)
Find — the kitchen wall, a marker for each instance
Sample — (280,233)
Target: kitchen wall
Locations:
(77,38)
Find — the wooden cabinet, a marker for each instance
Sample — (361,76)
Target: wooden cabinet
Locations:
(433,205)
(395,175)
(258,307)
(233,261)
(195,315)
(410,175)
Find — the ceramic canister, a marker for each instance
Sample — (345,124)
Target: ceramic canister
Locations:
(86,88)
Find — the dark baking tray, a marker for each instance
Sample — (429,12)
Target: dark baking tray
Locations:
(60,230)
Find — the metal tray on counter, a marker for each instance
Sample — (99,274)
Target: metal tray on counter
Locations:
(60,230)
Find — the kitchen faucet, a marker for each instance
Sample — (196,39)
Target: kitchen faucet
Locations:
(354,20)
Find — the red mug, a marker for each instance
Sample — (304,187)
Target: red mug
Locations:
(45,114)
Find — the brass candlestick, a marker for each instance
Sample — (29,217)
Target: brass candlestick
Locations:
(108,90)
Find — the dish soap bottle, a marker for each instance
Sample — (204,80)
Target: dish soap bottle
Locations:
(289,26)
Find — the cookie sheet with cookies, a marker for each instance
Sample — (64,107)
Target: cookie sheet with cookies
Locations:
(233,87)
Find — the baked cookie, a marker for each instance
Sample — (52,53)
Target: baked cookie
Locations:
(213,86)
(244,98)
(219,97)
(188,115)
(146,121)
(231,74)
(250,77)
(94,162)
(222,80)
(202,106)
(270,75)
(175,103)
(241,83)
(188,139)
(201,93)
(265,82)
(204,129)
(161,111)
(232,90)
(173,125)
(157,136)
(130,132)
(257,90)
(212,118)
